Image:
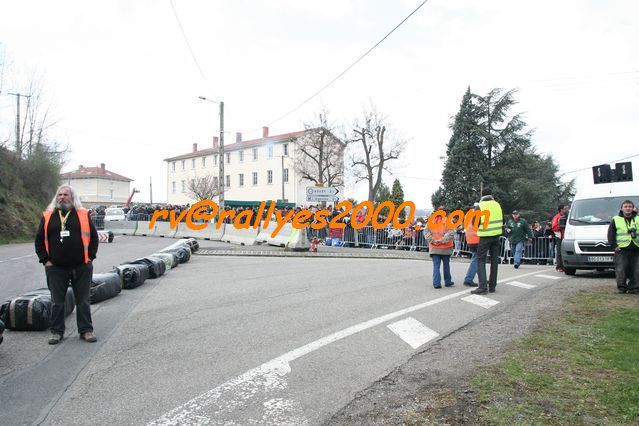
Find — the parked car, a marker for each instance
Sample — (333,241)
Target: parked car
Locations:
(114,214)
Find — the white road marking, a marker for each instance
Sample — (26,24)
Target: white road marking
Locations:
(552,277)
(413,332)
(482,301)
(269,377)
(17,258)
(519,284)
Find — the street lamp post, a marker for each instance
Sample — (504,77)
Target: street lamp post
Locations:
(221,151)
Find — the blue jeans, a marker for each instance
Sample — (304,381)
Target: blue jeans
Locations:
(437,259)
(519,247)
(472,268)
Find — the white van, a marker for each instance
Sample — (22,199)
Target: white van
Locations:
(585,244)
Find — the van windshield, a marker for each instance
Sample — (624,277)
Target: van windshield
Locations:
(597,211)
(114,212)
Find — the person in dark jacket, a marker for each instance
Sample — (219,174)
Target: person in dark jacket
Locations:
(518,233)
(624,239)
(66,244)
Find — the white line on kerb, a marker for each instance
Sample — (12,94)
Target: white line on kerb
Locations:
(552,277)
(413,332)
(268,378)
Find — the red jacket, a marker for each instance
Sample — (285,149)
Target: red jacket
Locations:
(555,225)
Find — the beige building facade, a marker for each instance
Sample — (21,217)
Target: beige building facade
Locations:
(255,170)
(98,186)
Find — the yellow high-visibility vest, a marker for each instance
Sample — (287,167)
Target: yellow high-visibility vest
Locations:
(496,220)
(623,231)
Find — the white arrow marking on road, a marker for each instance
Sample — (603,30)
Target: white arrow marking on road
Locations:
(548,276)
(482,301)
(521,285)
(269,376)
(413,332)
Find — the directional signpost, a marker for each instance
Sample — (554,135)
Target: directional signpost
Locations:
(315,193)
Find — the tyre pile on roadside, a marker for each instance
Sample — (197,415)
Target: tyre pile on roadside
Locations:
(32,310)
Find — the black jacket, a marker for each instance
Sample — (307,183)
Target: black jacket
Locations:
(612,233)
(71,252)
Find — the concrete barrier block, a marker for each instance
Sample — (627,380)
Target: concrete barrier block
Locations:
(121,227)
(244,237)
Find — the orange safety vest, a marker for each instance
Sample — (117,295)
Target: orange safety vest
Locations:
(85,231)
(438,230)
(471,233)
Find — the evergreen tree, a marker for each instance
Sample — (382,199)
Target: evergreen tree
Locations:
(489,147)
(465,166)
(397,197)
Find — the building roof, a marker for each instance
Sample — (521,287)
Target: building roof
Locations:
(94,172)
(239,145)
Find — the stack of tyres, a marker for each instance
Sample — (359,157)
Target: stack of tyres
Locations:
(182,253)
(1,331)
(170,259)
(105,286)
(156,266)
(132,276)
(32,310)
(193,244)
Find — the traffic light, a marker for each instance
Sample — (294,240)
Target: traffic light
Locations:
(605,174)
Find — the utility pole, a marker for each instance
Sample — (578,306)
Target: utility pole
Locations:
(221,198)
(150,189)
(221,150)
(18,140)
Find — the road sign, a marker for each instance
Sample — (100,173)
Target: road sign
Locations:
(321,198)
(315,191)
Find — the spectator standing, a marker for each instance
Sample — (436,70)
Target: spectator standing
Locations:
(440,246)
(518,232)
(623,237)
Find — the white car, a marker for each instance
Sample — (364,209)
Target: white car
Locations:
(114,214)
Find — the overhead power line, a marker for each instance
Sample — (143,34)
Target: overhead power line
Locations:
(345,70)
(186,40)
(606,162)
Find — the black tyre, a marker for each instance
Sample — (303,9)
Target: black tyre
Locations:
(570,271)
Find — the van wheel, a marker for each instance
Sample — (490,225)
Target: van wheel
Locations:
(570,271)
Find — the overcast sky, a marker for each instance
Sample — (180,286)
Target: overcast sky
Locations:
(124,86)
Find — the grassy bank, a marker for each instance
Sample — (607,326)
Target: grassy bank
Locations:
(580,367)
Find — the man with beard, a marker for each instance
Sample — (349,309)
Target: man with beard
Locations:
(66,243)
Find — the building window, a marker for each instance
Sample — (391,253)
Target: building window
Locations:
(215,181)
(173,166)
(254,178)
(183,186)
(241,179)
(183,164)
(286,175)
(241,155)
(110,194)
(285,149)
(254,154)
(228,181)
(215,160)
(192,163)
(228,158)
(173,186)
(270,151)
(269,176)
(204,162)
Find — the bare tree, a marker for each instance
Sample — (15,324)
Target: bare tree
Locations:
(319,153)
(203,188)
(374,146)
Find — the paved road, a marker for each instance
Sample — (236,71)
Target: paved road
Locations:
(240,339)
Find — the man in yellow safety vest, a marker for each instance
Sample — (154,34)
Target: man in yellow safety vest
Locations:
(623,238)
(489,242)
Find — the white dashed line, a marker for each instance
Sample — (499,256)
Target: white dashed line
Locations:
(521,285)
(17,258)
(551,277)
(413,332)
(482,301)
